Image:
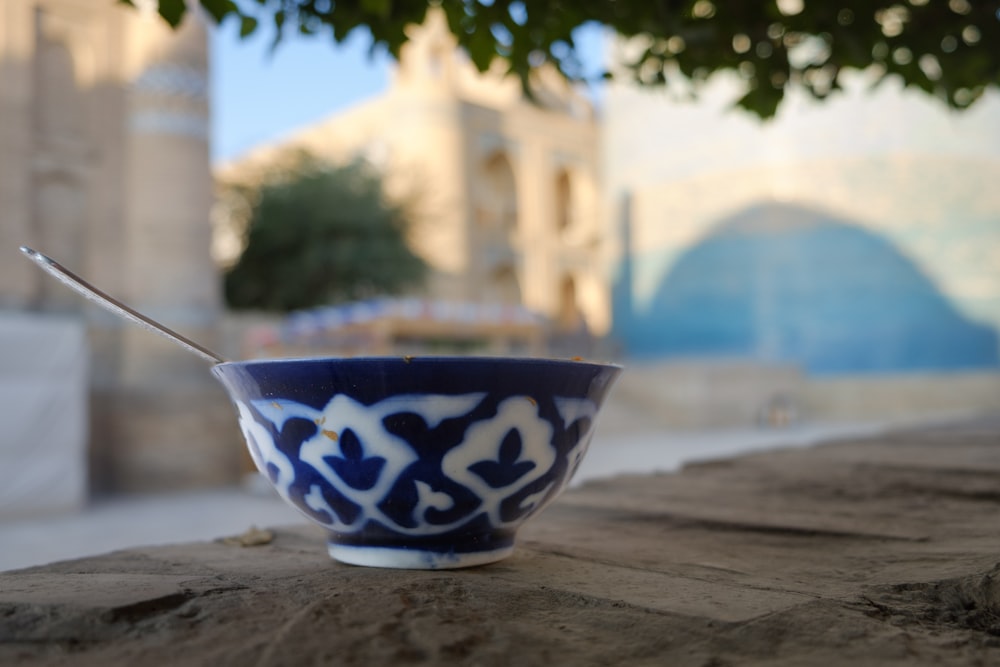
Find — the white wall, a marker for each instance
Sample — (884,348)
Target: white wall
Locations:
(43,410)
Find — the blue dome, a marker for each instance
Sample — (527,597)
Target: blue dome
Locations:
(787,284)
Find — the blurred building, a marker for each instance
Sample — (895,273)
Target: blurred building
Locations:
(841,261)
(849,251)
(104,165)
(782,283)
(507,188)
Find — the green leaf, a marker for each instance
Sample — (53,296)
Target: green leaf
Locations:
(380,8)
(219,9)
(481,48)
(279,24)
(247,25)
(762,101)
(547,27)
(172,11)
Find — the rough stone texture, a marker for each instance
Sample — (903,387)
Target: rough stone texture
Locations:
(885,551)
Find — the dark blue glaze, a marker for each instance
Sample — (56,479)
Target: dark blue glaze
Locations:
(446,455)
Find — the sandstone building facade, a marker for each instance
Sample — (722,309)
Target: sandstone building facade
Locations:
(507,188)
(104,164)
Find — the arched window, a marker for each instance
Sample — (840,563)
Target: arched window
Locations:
(436,62)
(499,193)
(564,201)
(504,286)
(60,203)
(60,219)
(570,319)
(60,99)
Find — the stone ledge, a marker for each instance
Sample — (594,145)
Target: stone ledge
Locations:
(881,551)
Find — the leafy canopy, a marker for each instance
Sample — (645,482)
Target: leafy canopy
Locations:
(322,234)
(946,48)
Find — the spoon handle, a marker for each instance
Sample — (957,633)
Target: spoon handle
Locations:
(78,284)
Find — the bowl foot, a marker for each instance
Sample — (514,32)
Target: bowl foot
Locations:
(414,559)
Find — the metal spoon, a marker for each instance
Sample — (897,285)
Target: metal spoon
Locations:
(75,282)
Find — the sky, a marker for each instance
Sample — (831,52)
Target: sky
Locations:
(259,95)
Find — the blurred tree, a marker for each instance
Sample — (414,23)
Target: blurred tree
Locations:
(946,48)
(319,234)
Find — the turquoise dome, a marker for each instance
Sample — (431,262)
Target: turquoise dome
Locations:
(783,283)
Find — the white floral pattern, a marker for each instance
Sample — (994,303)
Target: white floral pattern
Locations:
(508,459)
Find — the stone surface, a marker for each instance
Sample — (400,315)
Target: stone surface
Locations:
(882,551)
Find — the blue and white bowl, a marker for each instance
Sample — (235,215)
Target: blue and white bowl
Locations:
(424,462)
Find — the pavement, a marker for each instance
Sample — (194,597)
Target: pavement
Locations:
(124,522)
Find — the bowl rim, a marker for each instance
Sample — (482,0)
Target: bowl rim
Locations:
(406,358)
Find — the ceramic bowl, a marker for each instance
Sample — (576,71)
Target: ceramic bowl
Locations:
(426,462)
